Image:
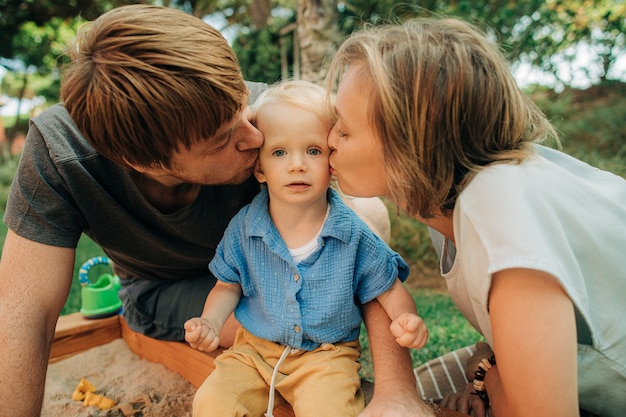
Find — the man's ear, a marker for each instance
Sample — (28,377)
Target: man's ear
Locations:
(258,172)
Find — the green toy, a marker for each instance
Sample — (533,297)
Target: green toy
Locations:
(99,299)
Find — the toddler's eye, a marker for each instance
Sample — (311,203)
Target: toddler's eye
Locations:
(279,152)
(314,151)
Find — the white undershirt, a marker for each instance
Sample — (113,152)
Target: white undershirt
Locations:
(303,252)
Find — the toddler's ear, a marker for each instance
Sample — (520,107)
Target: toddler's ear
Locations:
(258,172)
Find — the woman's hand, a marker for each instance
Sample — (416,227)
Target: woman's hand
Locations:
(483,351)
(465,402)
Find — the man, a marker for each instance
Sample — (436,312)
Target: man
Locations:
(150,156)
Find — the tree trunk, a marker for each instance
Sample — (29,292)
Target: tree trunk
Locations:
(260,11)
(317,34)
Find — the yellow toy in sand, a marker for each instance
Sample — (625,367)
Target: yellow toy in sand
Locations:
(85,392)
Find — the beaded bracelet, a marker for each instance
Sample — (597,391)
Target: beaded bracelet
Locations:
(479,377)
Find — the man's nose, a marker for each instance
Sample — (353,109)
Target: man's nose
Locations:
(252,138)
(249,137)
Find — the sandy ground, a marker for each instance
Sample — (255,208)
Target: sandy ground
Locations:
(116,373)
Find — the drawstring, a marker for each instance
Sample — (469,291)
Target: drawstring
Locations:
(270,404)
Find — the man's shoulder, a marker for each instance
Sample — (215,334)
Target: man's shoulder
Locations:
(61,135)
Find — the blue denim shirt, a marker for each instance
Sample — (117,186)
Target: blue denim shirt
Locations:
(317,300)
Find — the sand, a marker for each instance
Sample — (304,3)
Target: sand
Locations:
(119,374)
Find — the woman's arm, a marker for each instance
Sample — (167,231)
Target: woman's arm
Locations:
(534,334)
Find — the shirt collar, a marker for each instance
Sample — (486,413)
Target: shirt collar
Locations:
(338,225)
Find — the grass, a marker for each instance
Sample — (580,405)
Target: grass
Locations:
(448,330)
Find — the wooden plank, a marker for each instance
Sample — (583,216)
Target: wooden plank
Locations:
(75,334)
(179,357)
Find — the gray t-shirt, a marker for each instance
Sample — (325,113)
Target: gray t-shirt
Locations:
(63,188)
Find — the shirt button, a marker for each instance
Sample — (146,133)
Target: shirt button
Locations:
(296,277)
(296,328)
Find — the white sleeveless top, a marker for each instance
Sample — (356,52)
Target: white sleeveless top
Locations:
(555,214)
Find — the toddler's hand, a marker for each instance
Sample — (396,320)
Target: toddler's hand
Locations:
(201,335)
(409,330)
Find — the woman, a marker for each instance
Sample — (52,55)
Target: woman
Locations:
(530,239)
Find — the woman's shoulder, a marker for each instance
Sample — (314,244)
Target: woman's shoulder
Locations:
(547,175)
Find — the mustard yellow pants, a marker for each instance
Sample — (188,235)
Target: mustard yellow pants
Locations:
(323,382)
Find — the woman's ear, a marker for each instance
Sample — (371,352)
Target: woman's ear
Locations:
(258,172)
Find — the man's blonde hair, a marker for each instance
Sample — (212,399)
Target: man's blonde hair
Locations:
(444,104)
(146,80)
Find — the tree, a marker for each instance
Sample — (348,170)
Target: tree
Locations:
(38,52)
(317,34)
(563,27)
(15,13)
(259,53)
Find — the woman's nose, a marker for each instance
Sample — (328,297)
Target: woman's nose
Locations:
(332,139)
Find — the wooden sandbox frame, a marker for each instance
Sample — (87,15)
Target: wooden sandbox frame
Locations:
(75,334)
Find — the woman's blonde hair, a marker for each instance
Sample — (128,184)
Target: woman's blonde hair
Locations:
(146,80)
(444,104)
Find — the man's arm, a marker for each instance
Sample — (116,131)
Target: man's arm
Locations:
(395,392)
(34,283)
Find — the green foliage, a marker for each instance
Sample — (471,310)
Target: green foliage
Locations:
(259,52)
(28,86)
(448,328)
(15,13)
(591,123)
(39,47)
(7,172)
(600,24)
(543,33)
(411,240)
